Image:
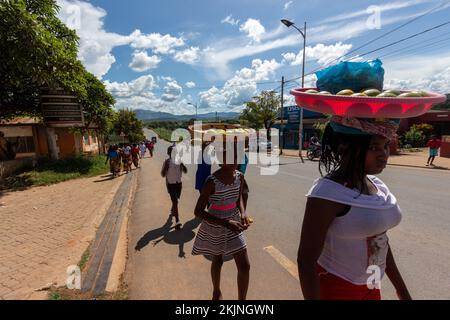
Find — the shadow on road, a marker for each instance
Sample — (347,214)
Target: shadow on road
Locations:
(176,236)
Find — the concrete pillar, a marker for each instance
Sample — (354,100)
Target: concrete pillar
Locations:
(53,150)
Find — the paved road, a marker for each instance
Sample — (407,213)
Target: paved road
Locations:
(421,243)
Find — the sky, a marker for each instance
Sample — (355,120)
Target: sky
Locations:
(170,55)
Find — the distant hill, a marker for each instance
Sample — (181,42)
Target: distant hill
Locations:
(157,115)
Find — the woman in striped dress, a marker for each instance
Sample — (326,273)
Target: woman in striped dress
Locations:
(221,231)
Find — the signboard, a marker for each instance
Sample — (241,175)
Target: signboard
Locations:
(61,108)
(292,114)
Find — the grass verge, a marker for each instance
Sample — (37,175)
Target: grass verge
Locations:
(49,172)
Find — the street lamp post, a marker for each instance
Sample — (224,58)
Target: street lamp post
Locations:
(288,24)
(195,105)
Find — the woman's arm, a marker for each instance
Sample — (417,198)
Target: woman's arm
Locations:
(319,214)
(164,168)
(200,211)
(396,278)
(240,205)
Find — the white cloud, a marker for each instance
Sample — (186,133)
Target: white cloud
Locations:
(188,56)
(141,86)
(162,44)
(431,72)
(172,91)
(383,9)
(240,88)
(142,61)
(253,28)
(323,54)
(230,20)
(95,43)
(190,84)
(287,5)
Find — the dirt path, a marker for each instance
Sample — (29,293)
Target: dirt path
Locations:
(43,230)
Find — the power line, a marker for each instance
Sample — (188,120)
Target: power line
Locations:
(389,32)
(384,47)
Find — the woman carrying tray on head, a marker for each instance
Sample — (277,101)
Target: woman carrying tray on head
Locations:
(344,249)
(221,231)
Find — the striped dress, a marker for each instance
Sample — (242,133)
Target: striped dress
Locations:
(213,239)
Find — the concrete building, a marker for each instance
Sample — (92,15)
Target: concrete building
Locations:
(30,137)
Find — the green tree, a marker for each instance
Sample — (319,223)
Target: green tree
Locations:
(415,138)
(127,122)
(37,49)
(262,111)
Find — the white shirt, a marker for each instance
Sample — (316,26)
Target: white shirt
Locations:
(357,241)
(173,173)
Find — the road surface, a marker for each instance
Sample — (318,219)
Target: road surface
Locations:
(163,267)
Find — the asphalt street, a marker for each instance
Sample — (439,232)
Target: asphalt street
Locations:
(161,266)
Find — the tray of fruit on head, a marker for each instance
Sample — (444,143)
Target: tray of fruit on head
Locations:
(215,129)
(369,103)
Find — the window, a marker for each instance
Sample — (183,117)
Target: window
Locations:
(86,138)
(23,144)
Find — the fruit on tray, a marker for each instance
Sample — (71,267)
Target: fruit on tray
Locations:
(346,92)
(390,93)
(371,92)
(410,94)
(386,95)
(395,92)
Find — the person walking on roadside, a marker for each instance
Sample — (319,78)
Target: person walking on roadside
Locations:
(221,231)
(433,144)
(203,166)
(126,158)
(344,250)
(143,149)
(150,147)
(172,170)
(114,160)
(135,155)
(242,167)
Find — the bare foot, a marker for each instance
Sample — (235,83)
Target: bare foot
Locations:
(217,295)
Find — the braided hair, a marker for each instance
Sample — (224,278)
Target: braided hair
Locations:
(343,157)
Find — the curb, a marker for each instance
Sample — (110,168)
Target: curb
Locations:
(418,167)
(107,262)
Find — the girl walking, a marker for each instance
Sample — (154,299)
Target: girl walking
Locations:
(221,231)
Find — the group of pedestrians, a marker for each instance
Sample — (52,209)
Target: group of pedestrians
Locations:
(124,156)
(349,210)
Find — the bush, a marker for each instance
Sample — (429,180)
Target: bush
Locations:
(415,138)
(425,128)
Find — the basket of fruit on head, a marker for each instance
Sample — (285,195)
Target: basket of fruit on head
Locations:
(368,103)
(215,129)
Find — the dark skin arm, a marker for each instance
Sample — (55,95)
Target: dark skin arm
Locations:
(240,205)
(396,278)
(319,214)
(165,168)
(202,203)
(183,168)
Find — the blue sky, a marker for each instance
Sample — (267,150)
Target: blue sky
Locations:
(162,55)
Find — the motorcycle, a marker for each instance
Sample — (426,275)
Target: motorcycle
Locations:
(314,151)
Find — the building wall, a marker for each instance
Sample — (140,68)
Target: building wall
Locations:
(66,142)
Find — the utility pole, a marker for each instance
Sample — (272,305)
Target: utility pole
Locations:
(282,113)
(300,133)
(288,24)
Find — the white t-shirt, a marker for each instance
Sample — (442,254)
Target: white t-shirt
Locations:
(173,173)
(357,241)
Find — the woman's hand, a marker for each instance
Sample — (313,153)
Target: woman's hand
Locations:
(235,226)
(245,220)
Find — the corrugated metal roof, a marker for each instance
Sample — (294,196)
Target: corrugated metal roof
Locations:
(20,121)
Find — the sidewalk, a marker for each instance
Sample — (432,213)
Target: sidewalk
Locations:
(404,158)
(43,230)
